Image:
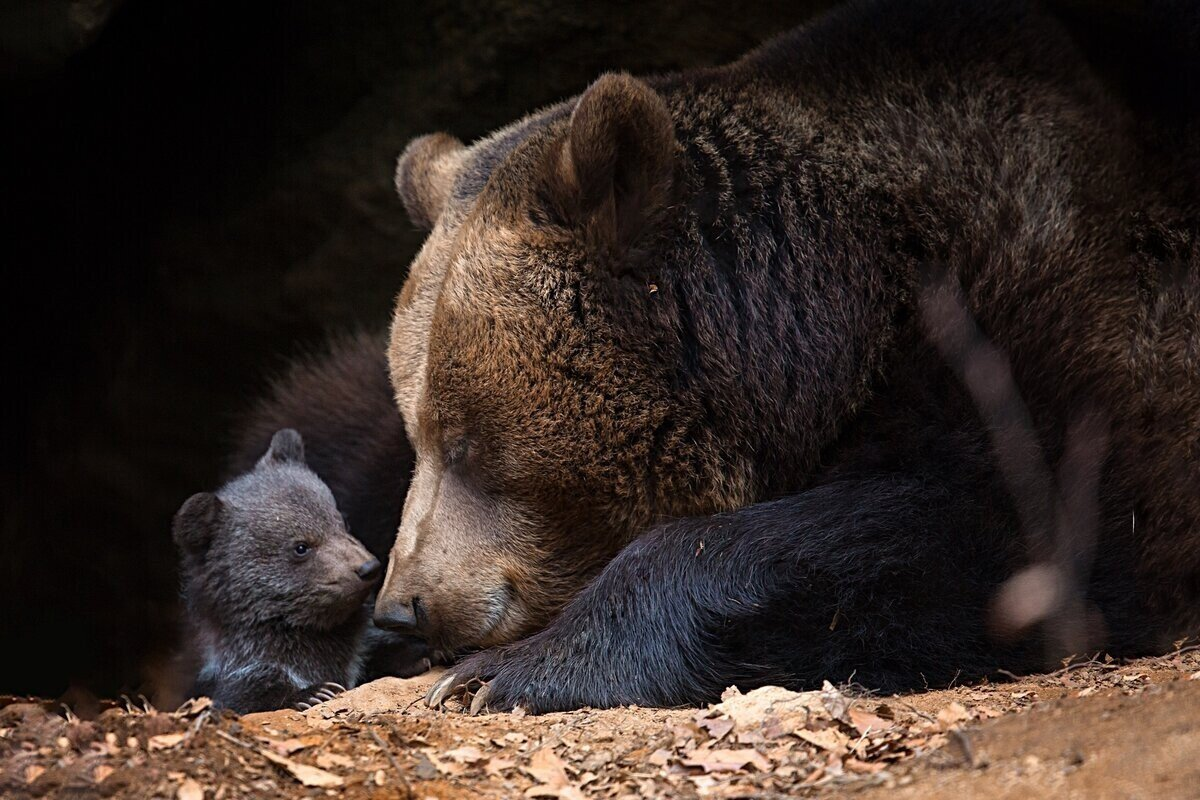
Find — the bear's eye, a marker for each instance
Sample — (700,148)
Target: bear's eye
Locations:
(300,548)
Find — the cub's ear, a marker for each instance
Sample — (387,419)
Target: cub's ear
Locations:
(286,446)
(195,522)
(425,174)
(617,163)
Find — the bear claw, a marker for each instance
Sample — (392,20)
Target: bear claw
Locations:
(479,701)
(320,694)
(443,690)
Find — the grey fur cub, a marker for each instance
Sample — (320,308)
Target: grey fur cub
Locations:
(275,586)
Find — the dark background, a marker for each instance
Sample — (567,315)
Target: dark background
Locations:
(195,191)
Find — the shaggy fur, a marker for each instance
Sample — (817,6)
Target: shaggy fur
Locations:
(340,400)
(664,345)
(275,587)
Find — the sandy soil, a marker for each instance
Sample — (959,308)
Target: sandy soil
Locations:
(1098,730)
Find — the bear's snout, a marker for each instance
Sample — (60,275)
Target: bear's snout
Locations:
(396,615)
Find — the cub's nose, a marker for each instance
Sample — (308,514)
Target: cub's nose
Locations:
(394,616)
(370,570)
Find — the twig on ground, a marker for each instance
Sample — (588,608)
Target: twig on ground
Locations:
(229,737)
(391,760)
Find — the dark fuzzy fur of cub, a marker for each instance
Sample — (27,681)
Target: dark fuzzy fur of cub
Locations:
(275,587)
(340,400)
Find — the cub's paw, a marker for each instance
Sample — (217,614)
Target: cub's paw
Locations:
(317,694)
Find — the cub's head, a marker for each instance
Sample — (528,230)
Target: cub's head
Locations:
(271,547)
(535,363)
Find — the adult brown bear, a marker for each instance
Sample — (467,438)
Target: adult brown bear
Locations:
(678,418)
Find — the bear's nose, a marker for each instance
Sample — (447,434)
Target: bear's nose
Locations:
(396,616)
(370,570)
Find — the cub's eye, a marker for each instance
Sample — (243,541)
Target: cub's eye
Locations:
(301,549)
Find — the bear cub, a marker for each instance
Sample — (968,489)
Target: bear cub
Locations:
(276,589)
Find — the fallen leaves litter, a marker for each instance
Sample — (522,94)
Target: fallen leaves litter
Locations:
(726,760)
(766,742)
(165,741)
(952,715)
(550,772)
(309,776)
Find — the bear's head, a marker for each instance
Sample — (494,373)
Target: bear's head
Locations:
(271,547)
(536,365)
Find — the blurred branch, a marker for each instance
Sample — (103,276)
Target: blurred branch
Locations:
(1059,517)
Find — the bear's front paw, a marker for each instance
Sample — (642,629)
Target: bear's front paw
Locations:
(317,694)
(504,678)
(477,681)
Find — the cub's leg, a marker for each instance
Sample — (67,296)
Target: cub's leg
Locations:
(261,687)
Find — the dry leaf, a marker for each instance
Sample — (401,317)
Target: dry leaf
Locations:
(952,715)
(33,772)
(866,721)
(285,747)
(451,768)
(726,760)
(101,772)
(546,767)
(836,703)
(659,758)
(551,772)
(717,728)
(497,766)
(330,760)
(190,790)
(465,755)
(854,765)
(829,739)
(164,741)
(309,776)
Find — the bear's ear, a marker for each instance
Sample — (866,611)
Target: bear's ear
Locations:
(617,163)
(425,174)
(286,446)
(195,522)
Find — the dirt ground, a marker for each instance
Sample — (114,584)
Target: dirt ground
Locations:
(1099,729)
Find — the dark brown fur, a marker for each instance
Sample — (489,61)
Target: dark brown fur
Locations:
(698,293)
